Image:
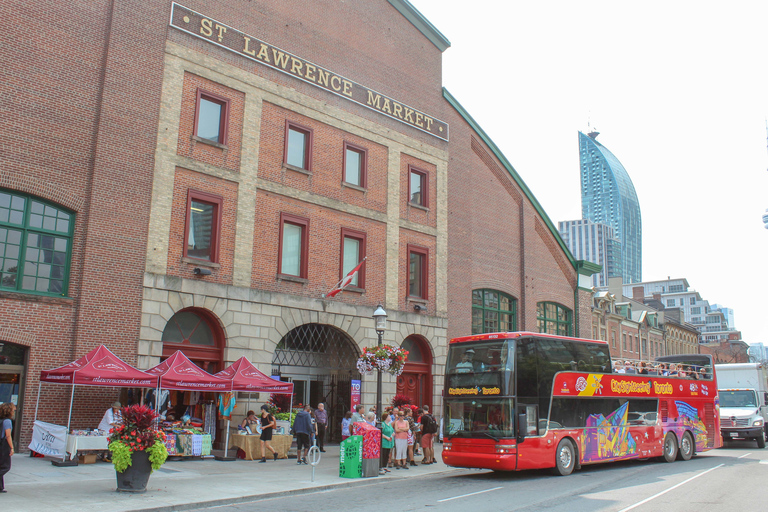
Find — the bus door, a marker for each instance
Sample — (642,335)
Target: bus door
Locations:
(531,451)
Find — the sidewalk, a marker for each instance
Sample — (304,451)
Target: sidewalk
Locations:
(35,484)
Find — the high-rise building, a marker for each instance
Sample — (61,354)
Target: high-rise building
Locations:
(596,243)
(608,197)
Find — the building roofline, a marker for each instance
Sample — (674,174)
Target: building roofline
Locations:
(511,170)
(418,20)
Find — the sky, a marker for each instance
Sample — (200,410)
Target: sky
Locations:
(677,90)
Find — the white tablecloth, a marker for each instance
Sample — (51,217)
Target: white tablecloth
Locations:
(83,443)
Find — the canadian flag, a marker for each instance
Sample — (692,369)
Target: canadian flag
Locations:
(345,282)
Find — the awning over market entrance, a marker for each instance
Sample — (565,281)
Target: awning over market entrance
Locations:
(180,374)
(246,377)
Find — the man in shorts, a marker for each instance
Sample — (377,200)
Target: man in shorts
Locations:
(302,428)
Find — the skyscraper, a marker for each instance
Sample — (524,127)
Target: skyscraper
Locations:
(608,197)
(596,243)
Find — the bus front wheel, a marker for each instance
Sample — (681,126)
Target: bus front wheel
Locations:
(565,458)
(670,447)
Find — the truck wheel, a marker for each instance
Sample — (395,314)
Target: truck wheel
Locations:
(565,458)
(670,447)
(760,442)
(686,447)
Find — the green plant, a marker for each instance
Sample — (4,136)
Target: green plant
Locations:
(137,433)
(385,358)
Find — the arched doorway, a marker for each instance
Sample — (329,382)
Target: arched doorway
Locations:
(321,361)
(197,333)
(416,379)
(13,364)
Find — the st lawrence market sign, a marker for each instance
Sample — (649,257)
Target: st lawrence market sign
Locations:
(250,47)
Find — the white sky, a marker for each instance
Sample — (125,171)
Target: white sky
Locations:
(677,91)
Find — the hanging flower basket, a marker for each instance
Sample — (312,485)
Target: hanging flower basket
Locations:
(385,358)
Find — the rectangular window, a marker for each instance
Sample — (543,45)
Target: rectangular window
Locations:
(294,245)
(670,302)
(613,339)
(298,146)
(352,253)
(418,272)
(417,187)
(624,341)
(211,117)
(693,301)
(203,225)
(355,165)
(682,302)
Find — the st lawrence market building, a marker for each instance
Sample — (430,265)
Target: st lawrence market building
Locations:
(199,176)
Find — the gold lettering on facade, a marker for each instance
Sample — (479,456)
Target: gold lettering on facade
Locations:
(408,115)
(419,120)
(374,100)
(397,111)
(322,77)
(245,48)
(296,66)
(336,83)
(205,27)
(281,59)
(263,53)
(429,123)
(309,74)
(386,108)
(347,88)
(222,30)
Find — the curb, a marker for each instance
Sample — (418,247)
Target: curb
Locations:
(362,482)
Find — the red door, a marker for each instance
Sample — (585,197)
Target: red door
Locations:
(416,379)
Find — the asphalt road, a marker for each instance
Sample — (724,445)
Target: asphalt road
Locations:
(731,478)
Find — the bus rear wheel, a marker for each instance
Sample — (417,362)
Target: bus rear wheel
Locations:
(686,447)
(670,447)
(565,458)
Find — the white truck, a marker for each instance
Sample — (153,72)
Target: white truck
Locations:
(743,390)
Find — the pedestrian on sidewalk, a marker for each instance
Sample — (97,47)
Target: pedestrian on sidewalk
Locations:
(357,416)
(302,428)
(387,440)
(321,415)
(411,434)
(429,429)
(7,411)
(267,424)
(401,441)
(345,423)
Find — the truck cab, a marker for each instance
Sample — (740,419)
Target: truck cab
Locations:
(743,391)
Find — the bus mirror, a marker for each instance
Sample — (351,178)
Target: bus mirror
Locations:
(522,426)
(765,398)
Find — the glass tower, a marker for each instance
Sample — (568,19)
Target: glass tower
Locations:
(608,197)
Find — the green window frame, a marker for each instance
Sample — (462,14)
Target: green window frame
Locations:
(35,245)
(493,311)
(553,318)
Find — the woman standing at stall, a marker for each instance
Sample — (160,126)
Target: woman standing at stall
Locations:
(7,411)
(267,424)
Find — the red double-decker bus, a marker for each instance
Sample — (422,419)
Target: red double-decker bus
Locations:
(523,400)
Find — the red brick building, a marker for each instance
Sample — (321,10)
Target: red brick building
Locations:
(200,184)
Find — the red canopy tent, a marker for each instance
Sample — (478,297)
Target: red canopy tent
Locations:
(180,374)
(99,367)
(246,377)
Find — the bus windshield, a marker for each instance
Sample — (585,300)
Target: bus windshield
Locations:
(738,398)
(486,364)
(486,417)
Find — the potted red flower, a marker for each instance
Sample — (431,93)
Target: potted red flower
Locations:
(138,448)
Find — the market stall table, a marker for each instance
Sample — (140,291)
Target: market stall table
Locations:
(187,444)
(251,445)
(85,443)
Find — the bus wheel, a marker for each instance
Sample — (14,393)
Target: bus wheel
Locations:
(670,447)
(686,447)
(565,458)
(761,441)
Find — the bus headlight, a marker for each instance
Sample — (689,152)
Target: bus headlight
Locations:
(758,423)
(505,448)
(446,445)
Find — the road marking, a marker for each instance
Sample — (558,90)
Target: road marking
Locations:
(646,500)
(470,494)
(745,455)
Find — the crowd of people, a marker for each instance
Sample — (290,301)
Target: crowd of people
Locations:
(663,369)
(406,432)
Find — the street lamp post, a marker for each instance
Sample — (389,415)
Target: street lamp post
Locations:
(381,324)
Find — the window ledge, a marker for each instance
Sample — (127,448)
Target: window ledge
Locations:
(354,289)
(419,207)
(209,142)
(297,169)
(345,184)
(200,263)
(33,297)
(417,300)
(293,279)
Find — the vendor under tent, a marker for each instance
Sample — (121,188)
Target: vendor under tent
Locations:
(243,376)
(99,367)
(178,373)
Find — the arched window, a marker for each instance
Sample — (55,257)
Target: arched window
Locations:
(493,311)
(35,245)
(192,332)
(553,318)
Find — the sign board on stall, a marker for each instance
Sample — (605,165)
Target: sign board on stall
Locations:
(49,439)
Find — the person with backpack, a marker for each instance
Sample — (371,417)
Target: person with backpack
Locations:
(429,429)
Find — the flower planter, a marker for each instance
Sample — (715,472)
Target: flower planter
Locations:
(135,476)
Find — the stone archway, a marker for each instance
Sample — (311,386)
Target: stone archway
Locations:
(320,360)
(416,379)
